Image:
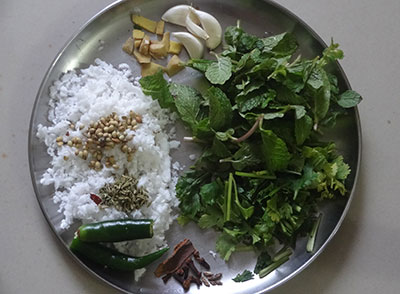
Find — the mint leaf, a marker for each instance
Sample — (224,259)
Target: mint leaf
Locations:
(200,64)
(243,277)
(283,44)
(157,87)
(187,101)
(275,151)
(202,129)
(219,149)
(246,157)
(319,81)
(225,136)
(220,109)
(302,129)
(219,72)
(255,99)
(349,99)
(238,38)
(331,54)
(300,110)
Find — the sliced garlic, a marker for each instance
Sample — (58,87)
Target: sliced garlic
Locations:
(194,28)
(211,26)
(177,15)
(193,45)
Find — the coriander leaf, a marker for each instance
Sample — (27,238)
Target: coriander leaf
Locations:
(275,151)
(210,220)
(282,44)
(306,180)
(190,206)
(343,169)
(210,192)
(219,72)
(225,245)
(302,129)
(349,99)
(187,191)
(272,209)
(157,87)
(187,101)
(316,156)
(183,220)
(220,109)
(263,260)
(246,212)
(243,277)
(200,64)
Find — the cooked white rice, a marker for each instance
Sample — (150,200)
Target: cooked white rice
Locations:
(82,98)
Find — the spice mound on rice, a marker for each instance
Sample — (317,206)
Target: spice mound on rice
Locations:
(103,128)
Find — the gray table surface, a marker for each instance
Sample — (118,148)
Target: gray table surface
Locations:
(364,257)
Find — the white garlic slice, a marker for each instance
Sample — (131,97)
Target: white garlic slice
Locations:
(193,45)
(194,28)
(211,26)
(177,15)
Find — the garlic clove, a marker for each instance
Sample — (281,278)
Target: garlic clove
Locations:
(194,28)
(177,15)
(193,45)
(211,26)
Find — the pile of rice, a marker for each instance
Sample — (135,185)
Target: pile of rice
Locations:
(85,97)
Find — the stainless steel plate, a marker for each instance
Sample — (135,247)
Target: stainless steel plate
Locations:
(102,37)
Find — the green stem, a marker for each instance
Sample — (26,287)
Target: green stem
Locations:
(284,252)
(313,233)
(251,131)
(272,267)
(257,175)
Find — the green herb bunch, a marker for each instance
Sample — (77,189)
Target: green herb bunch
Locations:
(264,167)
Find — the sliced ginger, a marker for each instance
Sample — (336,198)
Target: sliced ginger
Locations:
(151,68)
(160,49)
(174,47)
(160,27)
(137,34)
(145,45)
(174,66)
(129,46)
(141,58)
(145,23)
